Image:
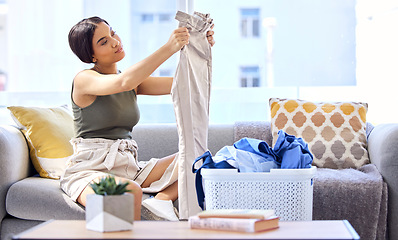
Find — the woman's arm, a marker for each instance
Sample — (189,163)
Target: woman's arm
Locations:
(89,82)
(155,86)
(162,85)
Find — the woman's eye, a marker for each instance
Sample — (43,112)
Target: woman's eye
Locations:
(104,42)
(113,33)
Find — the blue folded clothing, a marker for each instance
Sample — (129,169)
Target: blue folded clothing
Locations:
(293,152)
(248,155)
(253,155)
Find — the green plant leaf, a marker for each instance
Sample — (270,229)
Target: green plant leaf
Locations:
(108,186)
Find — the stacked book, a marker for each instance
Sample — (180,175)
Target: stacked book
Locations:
(239,220)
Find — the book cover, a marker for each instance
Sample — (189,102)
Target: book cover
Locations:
(248,225)
(237,213)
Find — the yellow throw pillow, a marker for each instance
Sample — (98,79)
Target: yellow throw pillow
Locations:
(335,132)
(47,131)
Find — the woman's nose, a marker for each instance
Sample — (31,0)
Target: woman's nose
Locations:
(115,43)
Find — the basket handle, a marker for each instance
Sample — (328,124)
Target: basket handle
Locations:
(207,163)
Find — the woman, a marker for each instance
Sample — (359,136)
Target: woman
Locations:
(105,111)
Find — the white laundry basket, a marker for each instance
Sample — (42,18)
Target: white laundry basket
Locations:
(288,191)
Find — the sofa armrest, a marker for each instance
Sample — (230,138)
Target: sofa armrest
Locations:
(14,161)
(383,152)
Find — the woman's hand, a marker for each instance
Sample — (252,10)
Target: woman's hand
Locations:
(209,36)
(178,39)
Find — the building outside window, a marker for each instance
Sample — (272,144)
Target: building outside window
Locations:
(250,22)
(156,18)
(147,18)
(165,72)
(250,76)
(330,50)
(165,17)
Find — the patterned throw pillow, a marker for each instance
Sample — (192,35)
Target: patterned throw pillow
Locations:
(335,132)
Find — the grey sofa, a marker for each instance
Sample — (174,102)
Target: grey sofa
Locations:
(360,196)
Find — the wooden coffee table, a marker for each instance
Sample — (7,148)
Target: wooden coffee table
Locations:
(62,229)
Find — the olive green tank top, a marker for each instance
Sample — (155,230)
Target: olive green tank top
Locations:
(111,117)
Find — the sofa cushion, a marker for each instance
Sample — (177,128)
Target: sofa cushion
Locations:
(335,132)
(48,131)
(37,198)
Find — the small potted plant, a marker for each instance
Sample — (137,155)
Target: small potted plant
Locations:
(110,208)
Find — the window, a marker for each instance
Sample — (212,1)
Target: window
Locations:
(329,50)
(250,22)
(165,72)
(2,81)
(151,18)
(164,17)
(147,18)
(250,76)
(3,45)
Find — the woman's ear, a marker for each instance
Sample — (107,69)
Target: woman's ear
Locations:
(94,60)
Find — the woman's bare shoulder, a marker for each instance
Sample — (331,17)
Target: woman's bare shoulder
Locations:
(85,75)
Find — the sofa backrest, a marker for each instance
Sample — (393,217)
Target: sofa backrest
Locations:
(160,140)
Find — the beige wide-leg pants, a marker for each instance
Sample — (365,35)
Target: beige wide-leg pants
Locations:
(191,96)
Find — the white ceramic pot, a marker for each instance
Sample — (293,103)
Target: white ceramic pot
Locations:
(109,213)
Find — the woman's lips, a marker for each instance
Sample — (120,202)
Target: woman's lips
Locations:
(119,50)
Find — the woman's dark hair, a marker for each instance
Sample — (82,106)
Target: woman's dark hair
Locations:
(81,36)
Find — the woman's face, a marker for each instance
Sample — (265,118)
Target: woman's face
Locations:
(107,45)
